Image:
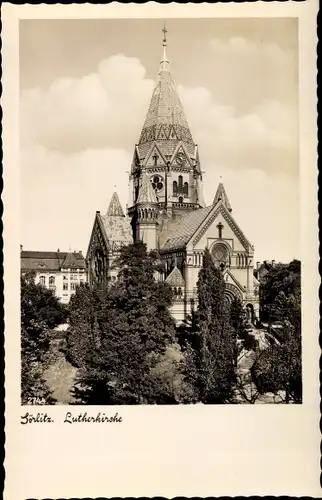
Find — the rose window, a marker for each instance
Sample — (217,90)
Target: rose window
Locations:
(157,182)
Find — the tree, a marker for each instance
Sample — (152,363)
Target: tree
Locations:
(133,328)
(209,365)
(242,329)
(79,338)
(40,311)
(281,279)
(187,331)
(279,368)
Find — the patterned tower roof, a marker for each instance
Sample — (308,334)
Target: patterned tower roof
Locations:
(165,121)
(117,226)
(118,230)
(115,207)
(222,196)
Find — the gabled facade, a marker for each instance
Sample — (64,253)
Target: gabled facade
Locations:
(214,228)
(168,213)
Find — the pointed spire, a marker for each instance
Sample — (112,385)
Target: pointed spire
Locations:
(146,192)
(222,196)
(115,208)
(165,112)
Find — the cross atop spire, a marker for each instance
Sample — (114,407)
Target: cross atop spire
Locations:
(165,31)
(165,61)
(165,119)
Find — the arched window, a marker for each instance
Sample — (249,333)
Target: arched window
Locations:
(175,188)
(179,291)
(99,265)
(180,188)
(180,199)
(186,189)
(42,280)
(52,281)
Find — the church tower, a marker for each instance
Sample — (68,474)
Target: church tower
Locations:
(165,176)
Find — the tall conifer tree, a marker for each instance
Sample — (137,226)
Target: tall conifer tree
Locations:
(209,365)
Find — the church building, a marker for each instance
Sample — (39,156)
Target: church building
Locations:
(168,213)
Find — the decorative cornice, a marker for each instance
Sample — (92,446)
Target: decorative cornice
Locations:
(163,132)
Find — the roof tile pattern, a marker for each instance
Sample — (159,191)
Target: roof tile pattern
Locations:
(115,207)
(185,228)
(51,261)
(117,226)
(165,121)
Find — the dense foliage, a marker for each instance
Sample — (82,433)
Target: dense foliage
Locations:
(40,311)
(123,339)
(241,326)
(282,284)
(279,367)
(119,333)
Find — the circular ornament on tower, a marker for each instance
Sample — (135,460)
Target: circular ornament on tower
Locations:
(181,158)
(157,182)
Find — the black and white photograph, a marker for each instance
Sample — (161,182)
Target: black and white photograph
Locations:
(160,244)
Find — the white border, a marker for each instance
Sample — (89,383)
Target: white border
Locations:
(166,451)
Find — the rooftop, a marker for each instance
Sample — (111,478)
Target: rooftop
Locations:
(51,261)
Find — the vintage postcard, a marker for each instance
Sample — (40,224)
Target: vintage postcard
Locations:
(161,250)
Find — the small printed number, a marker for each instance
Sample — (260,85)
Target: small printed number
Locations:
(35,400)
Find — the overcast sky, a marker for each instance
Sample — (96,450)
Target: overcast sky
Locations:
(85,89)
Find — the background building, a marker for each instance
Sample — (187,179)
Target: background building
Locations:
(58,271)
